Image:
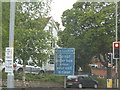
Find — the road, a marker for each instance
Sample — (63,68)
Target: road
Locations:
(58,89)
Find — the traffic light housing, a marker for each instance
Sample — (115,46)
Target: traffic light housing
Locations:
(109,60)
(116,50)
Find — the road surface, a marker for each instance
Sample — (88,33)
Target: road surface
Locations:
(59,89)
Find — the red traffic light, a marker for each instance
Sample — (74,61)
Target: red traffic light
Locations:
(116,50)
(116,45)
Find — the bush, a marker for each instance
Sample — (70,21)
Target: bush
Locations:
(4,76)
(36,77)
(101,81)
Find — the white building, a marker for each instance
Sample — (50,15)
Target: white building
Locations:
(53,27)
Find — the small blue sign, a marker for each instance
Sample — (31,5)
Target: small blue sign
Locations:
(64,61)
(108,80)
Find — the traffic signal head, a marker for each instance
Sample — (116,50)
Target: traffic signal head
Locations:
(116,48)
(116,45)
(109,59)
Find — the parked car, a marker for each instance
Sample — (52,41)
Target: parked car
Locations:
(31,67)
(81,81)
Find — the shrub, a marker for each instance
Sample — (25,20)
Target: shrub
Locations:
(36,77)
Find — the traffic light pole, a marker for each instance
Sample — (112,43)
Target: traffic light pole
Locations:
(109,70)
(10,76)
(109,77)
(119,74)
(116,76)
(116,21)
(117,81)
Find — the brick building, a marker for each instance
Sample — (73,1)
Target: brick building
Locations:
(102,72)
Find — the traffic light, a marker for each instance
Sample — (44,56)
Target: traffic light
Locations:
(109,60)
(116,48)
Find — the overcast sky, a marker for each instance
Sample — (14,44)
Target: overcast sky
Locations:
(59,6)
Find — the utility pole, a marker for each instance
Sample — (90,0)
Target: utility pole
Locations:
(118,75)
(10,76)
(117,60)
(116,41)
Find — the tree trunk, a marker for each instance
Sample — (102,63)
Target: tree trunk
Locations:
(102,58)
(23,77)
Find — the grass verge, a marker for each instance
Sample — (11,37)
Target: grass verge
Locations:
(36,77)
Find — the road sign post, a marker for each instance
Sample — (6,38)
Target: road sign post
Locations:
(10,76)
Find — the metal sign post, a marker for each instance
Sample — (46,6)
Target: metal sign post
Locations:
(10,76)
(64,81)
(116,14)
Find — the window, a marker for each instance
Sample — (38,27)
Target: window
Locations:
(51,59)
(52,43)
(31,63)
(72,77)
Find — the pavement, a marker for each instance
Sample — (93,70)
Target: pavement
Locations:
(39,88)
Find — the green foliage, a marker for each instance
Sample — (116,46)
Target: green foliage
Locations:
(101,81)
(30,38)
(90,29)
(32,43)
(36,77)
(5,26)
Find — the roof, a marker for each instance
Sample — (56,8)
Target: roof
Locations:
(42,22)
(51,21)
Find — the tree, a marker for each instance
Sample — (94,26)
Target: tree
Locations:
(34,42)
(90,29)
(30,38)
(29,16)
(5,26)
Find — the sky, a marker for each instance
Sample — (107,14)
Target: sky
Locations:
(58,7)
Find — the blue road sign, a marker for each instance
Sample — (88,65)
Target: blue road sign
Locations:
(64,61)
